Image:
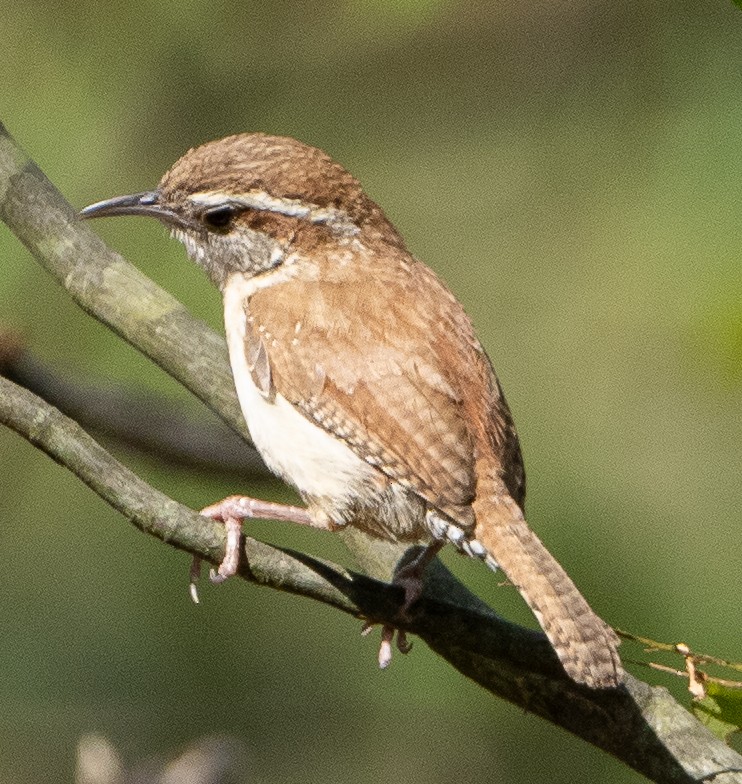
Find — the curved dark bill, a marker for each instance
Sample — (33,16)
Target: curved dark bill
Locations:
(146,203)
(135,204)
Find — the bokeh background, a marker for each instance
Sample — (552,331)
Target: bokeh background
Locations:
(573,170)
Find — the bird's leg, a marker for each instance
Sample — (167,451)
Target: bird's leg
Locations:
(232,511)
(236,508)
(410,578)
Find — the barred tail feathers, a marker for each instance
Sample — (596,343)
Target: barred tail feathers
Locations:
(586,646)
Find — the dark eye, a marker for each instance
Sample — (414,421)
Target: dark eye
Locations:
(218,217)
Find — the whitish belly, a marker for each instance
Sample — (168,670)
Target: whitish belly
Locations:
(314,462)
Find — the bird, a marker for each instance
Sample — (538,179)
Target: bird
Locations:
(360,377)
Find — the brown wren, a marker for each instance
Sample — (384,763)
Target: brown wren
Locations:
(360,377)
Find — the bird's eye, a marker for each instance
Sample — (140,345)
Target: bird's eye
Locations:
(218,217)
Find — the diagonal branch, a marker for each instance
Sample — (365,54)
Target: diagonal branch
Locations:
(110,289)
(144,422)
(639,724)
(509,661)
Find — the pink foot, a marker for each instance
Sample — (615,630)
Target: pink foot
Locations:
(232,511)
(387,638)
(410,578)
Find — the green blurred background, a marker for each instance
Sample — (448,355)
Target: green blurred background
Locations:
(573,171)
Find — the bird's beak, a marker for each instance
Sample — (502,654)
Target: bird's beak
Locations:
(147,203)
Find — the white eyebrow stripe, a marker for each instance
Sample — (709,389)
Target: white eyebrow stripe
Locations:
(338,220)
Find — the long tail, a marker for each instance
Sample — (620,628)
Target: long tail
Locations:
(586,646)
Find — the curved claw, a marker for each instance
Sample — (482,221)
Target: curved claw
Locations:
(385,649)
(195,574)
(387,638)
(403,644)
(231,511)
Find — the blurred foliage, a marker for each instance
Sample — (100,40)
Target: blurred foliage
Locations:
(573,170)
(720,710)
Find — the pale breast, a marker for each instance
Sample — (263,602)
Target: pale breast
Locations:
(314,462)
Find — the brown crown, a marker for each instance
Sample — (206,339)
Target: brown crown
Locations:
(277,165)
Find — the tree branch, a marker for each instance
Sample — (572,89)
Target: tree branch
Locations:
(145,422)
(639,724)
